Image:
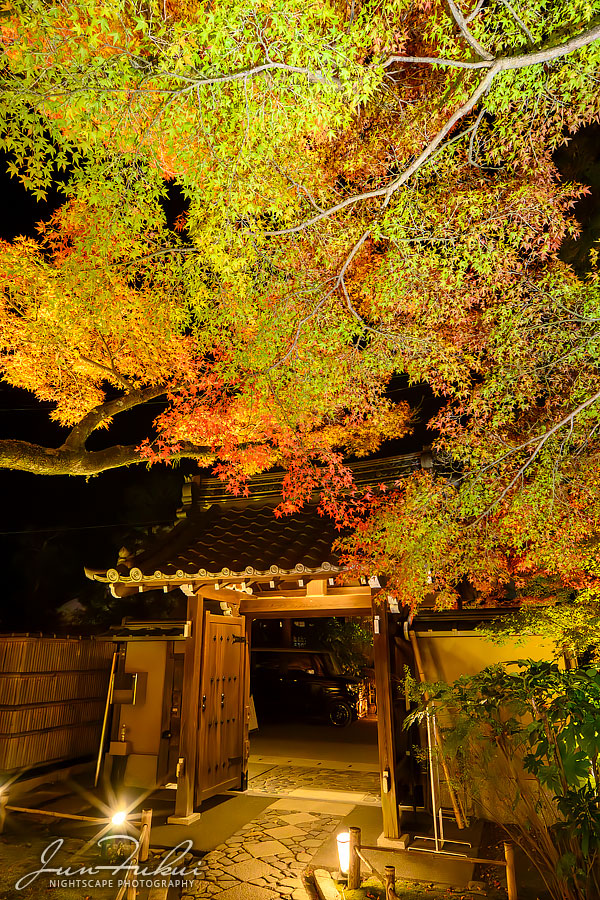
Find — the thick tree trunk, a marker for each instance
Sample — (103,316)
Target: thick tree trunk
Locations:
(27,457)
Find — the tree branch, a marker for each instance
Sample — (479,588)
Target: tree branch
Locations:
(438,61)
(502,64)
(519,21)
(475,12)
(406,175)
(72,458)
(269,66)
(340,279)
(541,441)
(507,62)
(109,371)
(315,77)
(79,434)
(27,457)
(471,158)
(547,55)
(460,21)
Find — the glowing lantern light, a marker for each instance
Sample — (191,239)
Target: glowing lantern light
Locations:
(343,847)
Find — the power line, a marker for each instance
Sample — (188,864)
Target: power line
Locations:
(46,409)
(88,527)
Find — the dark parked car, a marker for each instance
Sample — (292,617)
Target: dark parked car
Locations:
(287,682)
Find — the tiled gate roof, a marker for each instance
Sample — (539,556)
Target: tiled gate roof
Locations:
(226,537)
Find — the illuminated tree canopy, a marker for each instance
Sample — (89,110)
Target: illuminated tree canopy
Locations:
(368,189)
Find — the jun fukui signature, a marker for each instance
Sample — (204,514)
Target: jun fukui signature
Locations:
(168,866)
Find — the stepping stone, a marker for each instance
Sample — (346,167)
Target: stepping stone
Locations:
(300,894)
(248,871)
(208,890)
(300,804)
(247,892)
(280,864)
(299,818)
(261,849)
(285,831)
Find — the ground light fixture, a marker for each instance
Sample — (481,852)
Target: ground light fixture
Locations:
(343,848)
(119,817)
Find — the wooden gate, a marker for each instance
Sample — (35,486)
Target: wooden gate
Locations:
(221,737)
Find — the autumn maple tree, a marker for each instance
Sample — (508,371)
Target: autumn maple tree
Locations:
(367,190)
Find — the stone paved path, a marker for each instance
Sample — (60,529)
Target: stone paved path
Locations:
(294,779)
(264,860)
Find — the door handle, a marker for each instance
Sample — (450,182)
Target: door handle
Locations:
(222,700)
(203,702)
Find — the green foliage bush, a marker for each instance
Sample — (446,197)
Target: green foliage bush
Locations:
(538,726)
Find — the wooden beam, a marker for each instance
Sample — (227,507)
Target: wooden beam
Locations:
(269,607)
(279,604)
(316,588)
(246,705)
(188,740)
(319,587)
(210,592)
(386,736)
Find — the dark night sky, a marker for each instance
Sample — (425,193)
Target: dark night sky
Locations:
(50,527)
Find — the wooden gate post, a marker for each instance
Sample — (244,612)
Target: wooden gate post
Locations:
(188,740)
(390,882)
(511,877)
(132,878)
(245,704)
(145,841)
(386,733)
(354,862)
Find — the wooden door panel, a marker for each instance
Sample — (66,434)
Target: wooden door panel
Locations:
(221,727)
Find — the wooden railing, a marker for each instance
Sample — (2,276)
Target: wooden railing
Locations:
(129,885)
(388,877)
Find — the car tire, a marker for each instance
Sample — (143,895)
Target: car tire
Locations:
(340,714)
